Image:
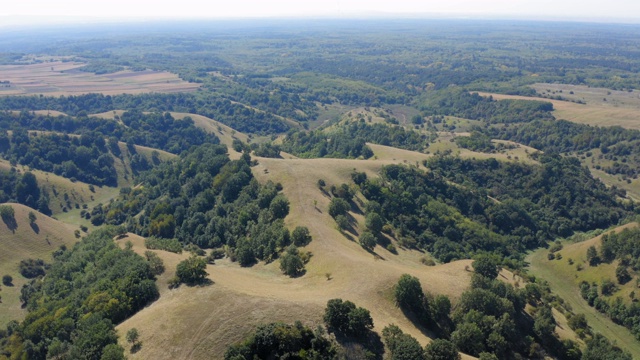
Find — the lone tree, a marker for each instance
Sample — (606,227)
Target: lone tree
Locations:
(409,295)
(486,266)
(291,263)
(192,270)
(133,336)
(344,318)
(32,217)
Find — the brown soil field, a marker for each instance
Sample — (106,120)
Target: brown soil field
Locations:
(64,78)
(23,242)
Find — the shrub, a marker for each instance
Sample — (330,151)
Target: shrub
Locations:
(441,349)
(155,262)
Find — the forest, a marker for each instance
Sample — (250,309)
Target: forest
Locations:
(378,148)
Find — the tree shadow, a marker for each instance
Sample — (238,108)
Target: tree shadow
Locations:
(136,347)
(366,346)
(419,324)
(35,228)
(201,283)
(11,223)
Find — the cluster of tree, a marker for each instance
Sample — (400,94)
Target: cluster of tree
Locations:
(284,98)
(157,130)
(552,199)
(620,146)
(461,103)
(23,189)
(318,144)
(348,140)
(72,311)
(86,158)
(476,142)
(207,200)
(238,116)
(462,207)
(489,320)
(619,311)
(283,341)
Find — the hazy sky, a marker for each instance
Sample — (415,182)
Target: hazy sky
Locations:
(13,11)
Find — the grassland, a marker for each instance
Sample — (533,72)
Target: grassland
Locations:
(619,109)
(23,242)
(564,279)
(199,322)
(64,78)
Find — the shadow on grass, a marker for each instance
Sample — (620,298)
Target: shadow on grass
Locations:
(136,347)
(11,223)
(35,228)
(366,346)
(418,322)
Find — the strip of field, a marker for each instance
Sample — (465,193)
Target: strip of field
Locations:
(565,284)
(589,113)
(65,78)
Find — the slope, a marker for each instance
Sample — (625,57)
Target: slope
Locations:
(23,241)
(564,281)
(200,322)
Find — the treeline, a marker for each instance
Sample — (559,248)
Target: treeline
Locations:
(349,140)
(23,189)
(461,103)
(207,104)
(207,200)
(462,207)
(85,158)
(553,199)
(156,130)
(620,146)
(72,311)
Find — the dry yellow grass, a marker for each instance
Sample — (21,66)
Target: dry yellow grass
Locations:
(200,322)
(23,242)
(591,113)
(64,78)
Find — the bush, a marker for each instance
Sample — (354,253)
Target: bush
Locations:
(486,266)
(155,262)
(401,346)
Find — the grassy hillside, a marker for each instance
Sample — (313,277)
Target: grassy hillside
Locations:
(564,279)
(199,322)
(22,242)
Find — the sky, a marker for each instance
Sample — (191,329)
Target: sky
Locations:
(55,11)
